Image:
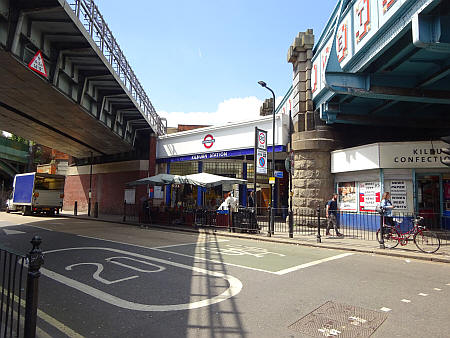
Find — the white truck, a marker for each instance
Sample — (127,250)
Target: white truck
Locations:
(35,193)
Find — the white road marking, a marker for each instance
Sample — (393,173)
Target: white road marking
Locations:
(234,288)
(448,284)
(214,261)
(385,309)
(241,250)
(160,248)
(96,274)
(306,265)
(35,226)
(437,289)
(357,321)
(406,301)
(13,232)
(329,332)
(423,294)
(149,247)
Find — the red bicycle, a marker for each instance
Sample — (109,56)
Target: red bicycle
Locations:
(426,241)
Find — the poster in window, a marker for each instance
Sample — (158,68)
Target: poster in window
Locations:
(369,195)
(158,192)
(130,196)
(398,195)
(347,196)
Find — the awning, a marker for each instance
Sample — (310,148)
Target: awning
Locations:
(201,179)
(160,179)
(207,180)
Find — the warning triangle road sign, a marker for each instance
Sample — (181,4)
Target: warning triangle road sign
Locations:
(37,64)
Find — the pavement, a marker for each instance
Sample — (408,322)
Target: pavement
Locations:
(408,251)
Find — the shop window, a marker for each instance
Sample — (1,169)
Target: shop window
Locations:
(228,169)
(184,168)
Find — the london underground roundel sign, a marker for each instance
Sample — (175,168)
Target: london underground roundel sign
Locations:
(208,141)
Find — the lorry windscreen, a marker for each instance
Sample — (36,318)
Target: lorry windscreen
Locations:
(48,183)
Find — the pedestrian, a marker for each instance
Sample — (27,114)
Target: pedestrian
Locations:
(387,207)
(331,214)
(251,200)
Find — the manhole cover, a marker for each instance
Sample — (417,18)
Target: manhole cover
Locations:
(339,320)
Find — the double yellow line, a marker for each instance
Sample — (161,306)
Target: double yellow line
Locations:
(48,319)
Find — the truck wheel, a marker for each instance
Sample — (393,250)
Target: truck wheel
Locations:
(26,211)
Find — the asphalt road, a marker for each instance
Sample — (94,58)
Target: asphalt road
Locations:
(111,280)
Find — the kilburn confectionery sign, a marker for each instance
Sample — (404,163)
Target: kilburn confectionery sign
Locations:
(395,155)
(412,155)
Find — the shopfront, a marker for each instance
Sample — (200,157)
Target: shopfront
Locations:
(411,171)
(226,150)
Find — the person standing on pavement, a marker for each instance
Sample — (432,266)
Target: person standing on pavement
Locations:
(331,214)
(251,200)
(387,206)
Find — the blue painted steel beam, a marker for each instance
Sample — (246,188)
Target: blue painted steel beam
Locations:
(431,32)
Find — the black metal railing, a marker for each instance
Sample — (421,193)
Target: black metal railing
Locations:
(14,322)
(305,222)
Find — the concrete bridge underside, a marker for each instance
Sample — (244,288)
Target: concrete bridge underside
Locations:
(33,109)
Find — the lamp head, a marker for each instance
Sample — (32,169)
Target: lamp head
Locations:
(262,84)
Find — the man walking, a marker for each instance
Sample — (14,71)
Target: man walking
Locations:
(331,213)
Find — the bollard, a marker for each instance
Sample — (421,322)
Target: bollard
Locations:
(291,224)
(319,239)
(96,209)
(269,232)
(382,232)
(124,211)
(35,261)
(75,208)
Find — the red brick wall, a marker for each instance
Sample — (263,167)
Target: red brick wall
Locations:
(152,157)
(107,190)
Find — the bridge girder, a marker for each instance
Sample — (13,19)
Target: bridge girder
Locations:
(400,77)
(82,66)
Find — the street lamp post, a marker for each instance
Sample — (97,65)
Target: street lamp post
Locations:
(272,202)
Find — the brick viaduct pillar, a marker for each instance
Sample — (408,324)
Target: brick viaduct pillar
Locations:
(312,139)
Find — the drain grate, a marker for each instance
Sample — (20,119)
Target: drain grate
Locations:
(339,320)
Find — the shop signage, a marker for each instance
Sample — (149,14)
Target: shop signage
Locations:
(208,141)
(412,155)
(217,154)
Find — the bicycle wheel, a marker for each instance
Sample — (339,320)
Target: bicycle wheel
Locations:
(427,241)
(390,236)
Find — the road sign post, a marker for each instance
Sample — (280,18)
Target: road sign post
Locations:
(260,159)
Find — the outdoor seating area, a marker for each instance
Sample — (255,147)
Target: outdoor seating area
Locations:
(188,211)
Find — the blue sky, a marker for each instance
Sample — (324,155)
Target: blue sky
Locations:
(200,61)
